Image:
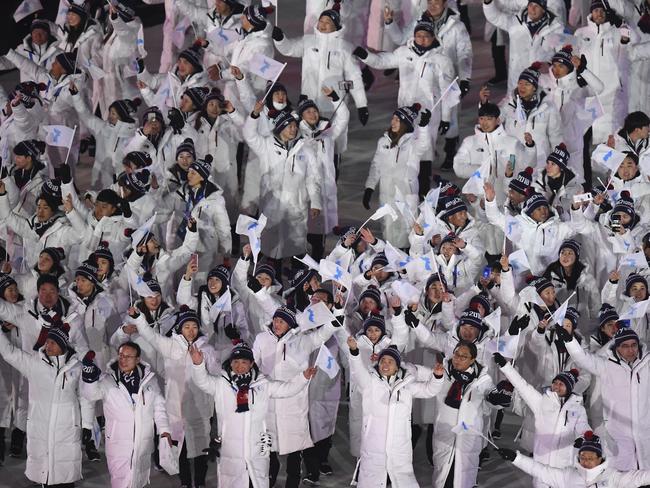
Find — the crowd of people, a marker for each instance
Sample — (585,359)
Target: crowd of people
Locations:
(182,307)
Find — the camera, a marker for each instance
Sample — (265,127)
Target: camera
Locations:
(346,85)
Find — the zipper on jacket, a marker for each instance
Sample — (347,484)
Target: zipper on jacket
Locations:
(328,59)
(93,323)
(284,352)
(64,377)
(397,157)
(423,68)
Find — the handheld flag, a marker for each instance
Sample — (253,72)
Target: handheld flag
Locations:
(332,271)
(635,260)
(142,231)
(327,362)
(314,316)
(223,304)
(494,321)
(476,181)
(519,261)
(396,259)
(265,67)
(636,310)
(607,157)
(59,135)
(508,345)
(308,261)
(406,292)
(138,283)
(252,228)
(520,113)
(26,8)
(512,228)
(221,37)
(178,36)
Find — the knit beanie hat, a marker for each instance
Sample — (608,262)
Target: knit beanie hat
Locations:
(47,279)
(203,166)
(372,293)
(140,159)
(625,204)
(596,4)
(300,277)
(304,103)
(392,352)
(563,56)
(334,14)
(60,336)
(283,119)
(126,109)
(374,321)
(379,260)
(481,300)
(541,3)
(51,191)
(266,269)
(408,115)
(256,15)
(531,74)
(153,113)
(571,244)
(625,334)
(108,196)
(424,25)
(436,278)
(30,147)
(67,61)
(533,202)
(569,378)
(57,254)
(453,206)
(522,182)
(78,9)
(448,239)
(152,283)
(589,442)
(40,24)
(221,273)
(288,315)
(471,317)
(235,6)
(103,251)
(489,110)
(632,279)
(194,56)
(87,270)
(540,283)
(198,95)
(137,182)
(241,351)
(213,94)
(186,314)
(186,146)
(606,314)
(560,156)
(5,282)
(273,89)
(572,315)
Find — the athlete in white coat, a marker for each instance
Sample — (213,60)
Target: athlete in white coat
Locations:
(289,183)
(132,402)
(395,167)
(528,31)
(242,399)
(56,411)
(388,391)
(559,414)
(625,376)
(590,471)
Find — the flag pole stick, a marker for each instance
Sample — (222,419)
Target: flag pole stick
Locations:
(74,130)
(273,83)
(444,93)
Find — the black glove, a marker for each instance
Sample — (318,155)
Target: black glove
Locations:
(644,23)
(86,435)
(140,62)
(63,173)
(89,370)
(334,96)
(4,171)
(126,208)
(443,128)
(231,332)
(425,117)
(214,451)
(191,225)
(338,321)
(563,334)
(72,88)
(363,114)
(613,18)
(410,318)
(518,323)
(464,88)
(254,285)
(367,195)
(277,34)
(507,454)
(499,398)
(499,359)
(578,442)
(360,52)
(176,120)
(583,64)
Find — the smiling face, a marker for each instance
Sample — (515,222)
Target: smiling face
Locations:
(458,219)
(559,387)
(367,305)
(598,16)
(214,285)
(395,123)
(436,7)
(23,162)
(39,36)
(423,38)
(448,250)
(241,366)
(540,214)
(628,169)
(264,279)
(290,132)
(468,333)
(103,209)
(11,294)
(567,257)
(280,326)
(325,25)
(387,365)
(190,331)
(311,116)
(184,160)
(127,359)
(152,303)
(73,19)
(374,333)
(639,292)
(487,123)
(462,358)
(435,292)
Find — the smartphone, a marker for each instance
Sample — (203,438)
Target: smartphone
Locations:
(487,271)
(195,259)
(582,197)
(511,164)
(616,222)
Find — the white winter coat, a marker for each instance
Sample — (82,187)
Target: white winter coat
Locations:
(42,55)
(524,48)
(55,413)
(241,432)
(398,166)
(129,424)
(558,422)
(543,122)
(241,52)
(289,187)
(579,477)
(386,435)
(283,359)
(326,60)
(625,406)
(188,408)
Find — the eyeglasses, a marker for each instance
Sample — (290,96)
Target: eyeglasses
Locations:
(462,356)
(124,356)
